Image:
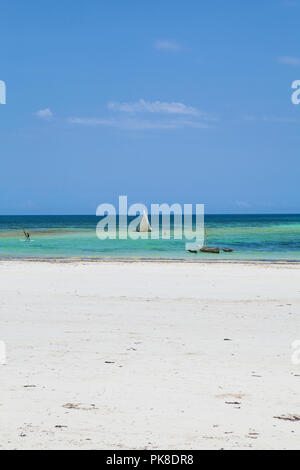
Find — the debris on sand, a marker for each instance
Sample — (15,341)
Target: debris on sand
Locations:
(79,406)
(71,406)
(288,417)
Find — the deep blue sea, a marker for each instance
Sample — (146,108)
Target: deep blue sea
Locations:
(252,237)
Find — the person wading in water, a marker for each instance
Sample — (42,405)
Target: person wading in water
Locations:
(27,235)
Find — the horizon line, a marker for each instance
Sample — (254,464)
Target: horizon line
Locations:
(117,214)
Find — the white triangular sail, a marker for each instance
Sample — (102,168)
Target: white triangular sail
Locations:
(144,225)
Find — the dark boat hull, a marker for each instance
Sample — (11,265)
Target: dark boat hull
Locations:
(210,249)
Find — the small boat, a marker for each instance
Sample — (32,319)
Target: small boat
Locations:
(210,249)
(144,225)
(194,248)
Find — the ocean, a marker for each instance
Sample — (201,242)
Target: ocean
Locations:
(252,237)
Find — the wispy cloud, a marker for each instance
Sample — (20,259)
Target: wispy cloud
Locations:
(275,119)
(140,124)
(243,204)
(172,46)
(146,115)
(290,3)
(154,107)
(28,204)
(44,113)
(289,60)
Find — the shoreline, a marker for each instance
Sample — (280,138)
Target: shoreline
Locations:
(70,260)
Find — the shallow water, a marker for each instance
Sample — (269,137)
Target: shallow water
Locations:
(252,237)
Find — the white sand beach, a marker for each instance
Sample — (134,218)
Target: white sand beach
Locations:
(149,355)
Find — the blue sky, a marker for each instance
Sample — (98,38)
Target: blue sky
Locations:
(163,101)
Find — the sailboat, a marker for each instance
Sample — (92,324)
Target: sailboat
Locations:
(193,248)
(209,249)
(144,225)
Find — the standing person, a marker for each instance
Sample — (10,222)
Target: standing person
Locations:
(27,235)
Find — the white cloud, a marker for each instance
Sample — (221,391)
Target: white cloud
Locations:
(171,46)
(159,115)
(44,113)
(289,60)
(154,107)
(140,124)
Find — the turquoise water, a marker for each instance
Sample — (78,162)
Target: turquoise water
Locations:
(252,237)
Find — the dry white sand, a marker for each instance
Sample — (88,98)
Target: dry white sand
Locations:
(139,352)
